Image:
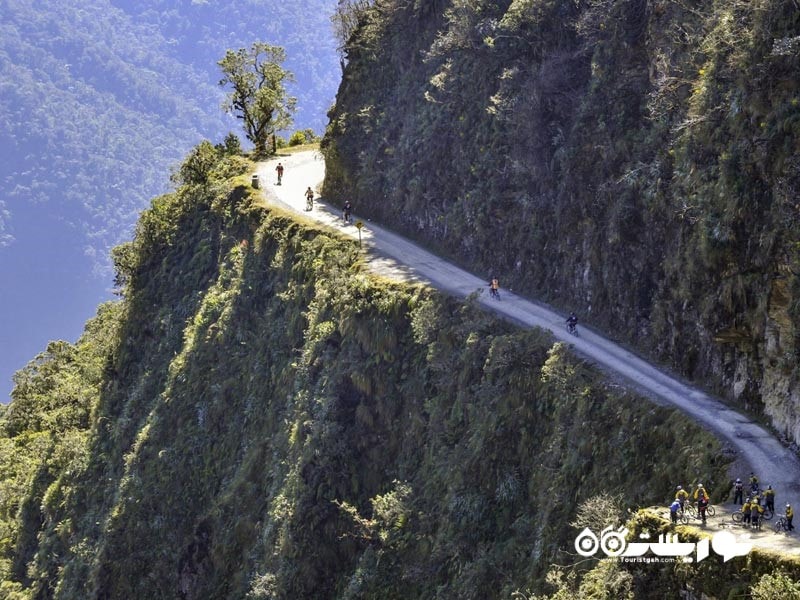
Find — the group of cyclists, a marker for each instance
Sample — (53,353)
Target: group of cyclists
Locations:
(494,292)
(756,505)
(347,209)
(678,506)
(753,506)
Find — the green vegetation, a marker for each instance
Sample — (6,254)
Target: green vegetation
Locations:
(100,99)
(306,136)
(760,575)
(257,418)
(258,96)
(637,162)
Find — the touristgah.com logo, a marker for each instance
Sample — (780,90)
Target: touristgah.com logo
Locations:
(668,548)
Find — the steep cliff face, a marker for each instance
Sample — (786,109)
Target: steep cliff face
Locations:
(637,161)
(264,420)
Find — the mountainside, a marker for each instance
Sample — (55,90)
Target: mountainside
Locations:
(259,418)
(98,101)
(638,162)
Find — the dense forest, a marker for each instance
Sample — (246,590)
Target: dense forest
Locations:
(90,88)
(257,417)
(99,101)
(636,161)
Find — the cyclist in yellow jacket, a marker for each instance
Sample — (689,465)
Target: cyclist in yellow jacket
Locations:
(746,510)
(681,495)
(769,498)
(701,492)
(756,514)
(789,516)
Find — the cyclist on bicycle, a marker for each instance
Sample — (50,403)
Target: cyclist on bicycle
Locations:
(572,322)
(753,483)
(346,210)
(494,288)
(681,495)
(309,198)
(700,492)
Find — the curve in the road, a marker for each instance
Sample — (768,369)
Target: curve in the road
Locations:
(399,257)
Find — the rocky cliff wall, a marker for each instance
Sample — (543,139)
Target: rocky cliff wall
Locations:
(636,161)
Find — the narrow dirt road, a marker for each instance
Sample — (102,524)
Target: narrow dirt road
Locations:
(393,256)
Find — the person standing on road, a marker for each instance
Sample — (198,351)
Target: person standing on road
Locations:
(769,498)
(789,517)
(279,171)
(746,510)
(753,483)
(673,510)
(738,491)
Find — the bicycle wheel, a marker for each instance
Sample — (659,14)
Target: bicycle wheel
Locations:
(768,514)
(684,518)
(710,510)
(737,517)
(780,525)
(691,510)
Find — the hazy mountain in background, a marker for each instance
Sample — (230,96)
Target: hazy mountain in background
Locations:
(98,100)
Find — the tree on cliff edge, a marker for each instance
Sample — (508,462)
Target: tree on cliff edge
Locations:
(258,96)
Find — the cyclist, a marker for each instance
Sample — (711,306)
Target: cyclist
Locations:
(753,483)
(769,498)
(572,322)
(738,489)
(309,198)
(346,210)
(756,514)
(789,517)
(279,171)
(494,288)
(701,495)
(746,511)
(700,492)
(673,510)
(681,495)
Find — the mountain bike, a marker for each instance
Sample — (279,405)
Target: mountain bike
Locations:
(692,510)
(782,524)
(309,203)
